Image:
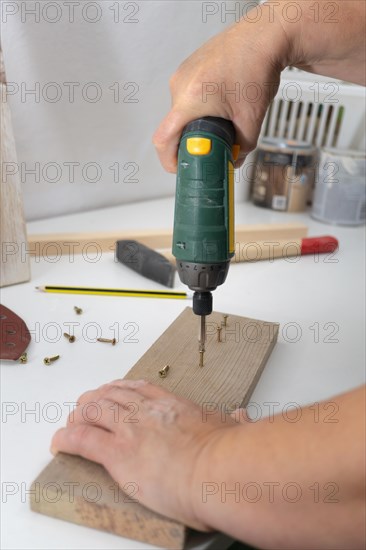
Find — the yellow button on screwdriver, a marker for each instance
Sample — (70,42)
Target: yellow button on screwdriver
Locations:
(198,146)
(235,152)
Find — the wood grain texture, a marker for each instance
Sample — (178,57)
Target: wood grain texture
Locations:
(66,243)
(14,262)
(2,69)
(232,369)
(114,511)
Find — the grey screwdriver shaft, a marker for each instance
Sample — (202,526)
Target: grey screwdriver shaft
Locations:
(202,333)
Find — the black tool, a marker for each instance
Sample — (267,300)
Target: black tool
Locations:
(146,262)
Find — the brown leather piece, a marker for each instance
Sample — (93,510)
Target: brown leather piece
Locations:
(15,336)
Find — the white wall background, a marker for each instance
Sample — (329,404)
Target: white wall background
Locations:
(132,47)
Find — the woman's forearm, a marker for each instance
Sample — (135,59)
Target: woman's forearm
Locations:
(290,481)
(326,37)
(321,36)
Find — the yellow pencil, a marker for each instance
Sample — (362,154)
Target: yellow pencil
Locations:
(135,293)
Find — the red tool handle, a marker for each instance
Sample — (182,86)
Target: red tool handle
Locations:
(319,245)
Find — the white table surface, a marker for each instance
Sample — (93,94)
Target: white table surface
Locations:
(307,365)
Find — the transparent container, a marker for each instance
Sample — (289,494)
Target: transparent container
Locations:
(340,190)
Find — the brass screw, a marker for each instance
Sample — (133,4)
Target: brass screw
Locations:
(49,360)
(70,338)
(23,358)
(78,310)
(219,329)
(225,320)
(201,352)
(164,371)
(113,342)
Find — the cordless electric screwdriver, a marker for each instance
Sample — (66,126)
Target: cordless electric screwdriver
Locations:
(203,236)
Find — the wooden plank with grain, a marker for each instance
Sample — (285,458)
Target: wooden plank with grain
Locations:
(74,243)
(14,266)
(231,371)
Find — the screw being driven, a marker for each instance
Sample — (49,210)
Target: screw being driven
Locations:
(219,329)
(225,320)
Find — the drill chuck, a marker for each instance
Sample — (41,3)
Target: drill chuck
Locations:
(202,303)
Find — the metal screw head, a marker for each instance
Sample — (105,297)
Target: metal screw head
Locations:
(49,360)
(164,371)
(78,310)
(70,338)
(23,358)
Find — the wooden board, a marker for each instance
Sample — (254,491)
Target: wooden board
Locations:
(231,371)
(14,261)
(74,243)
